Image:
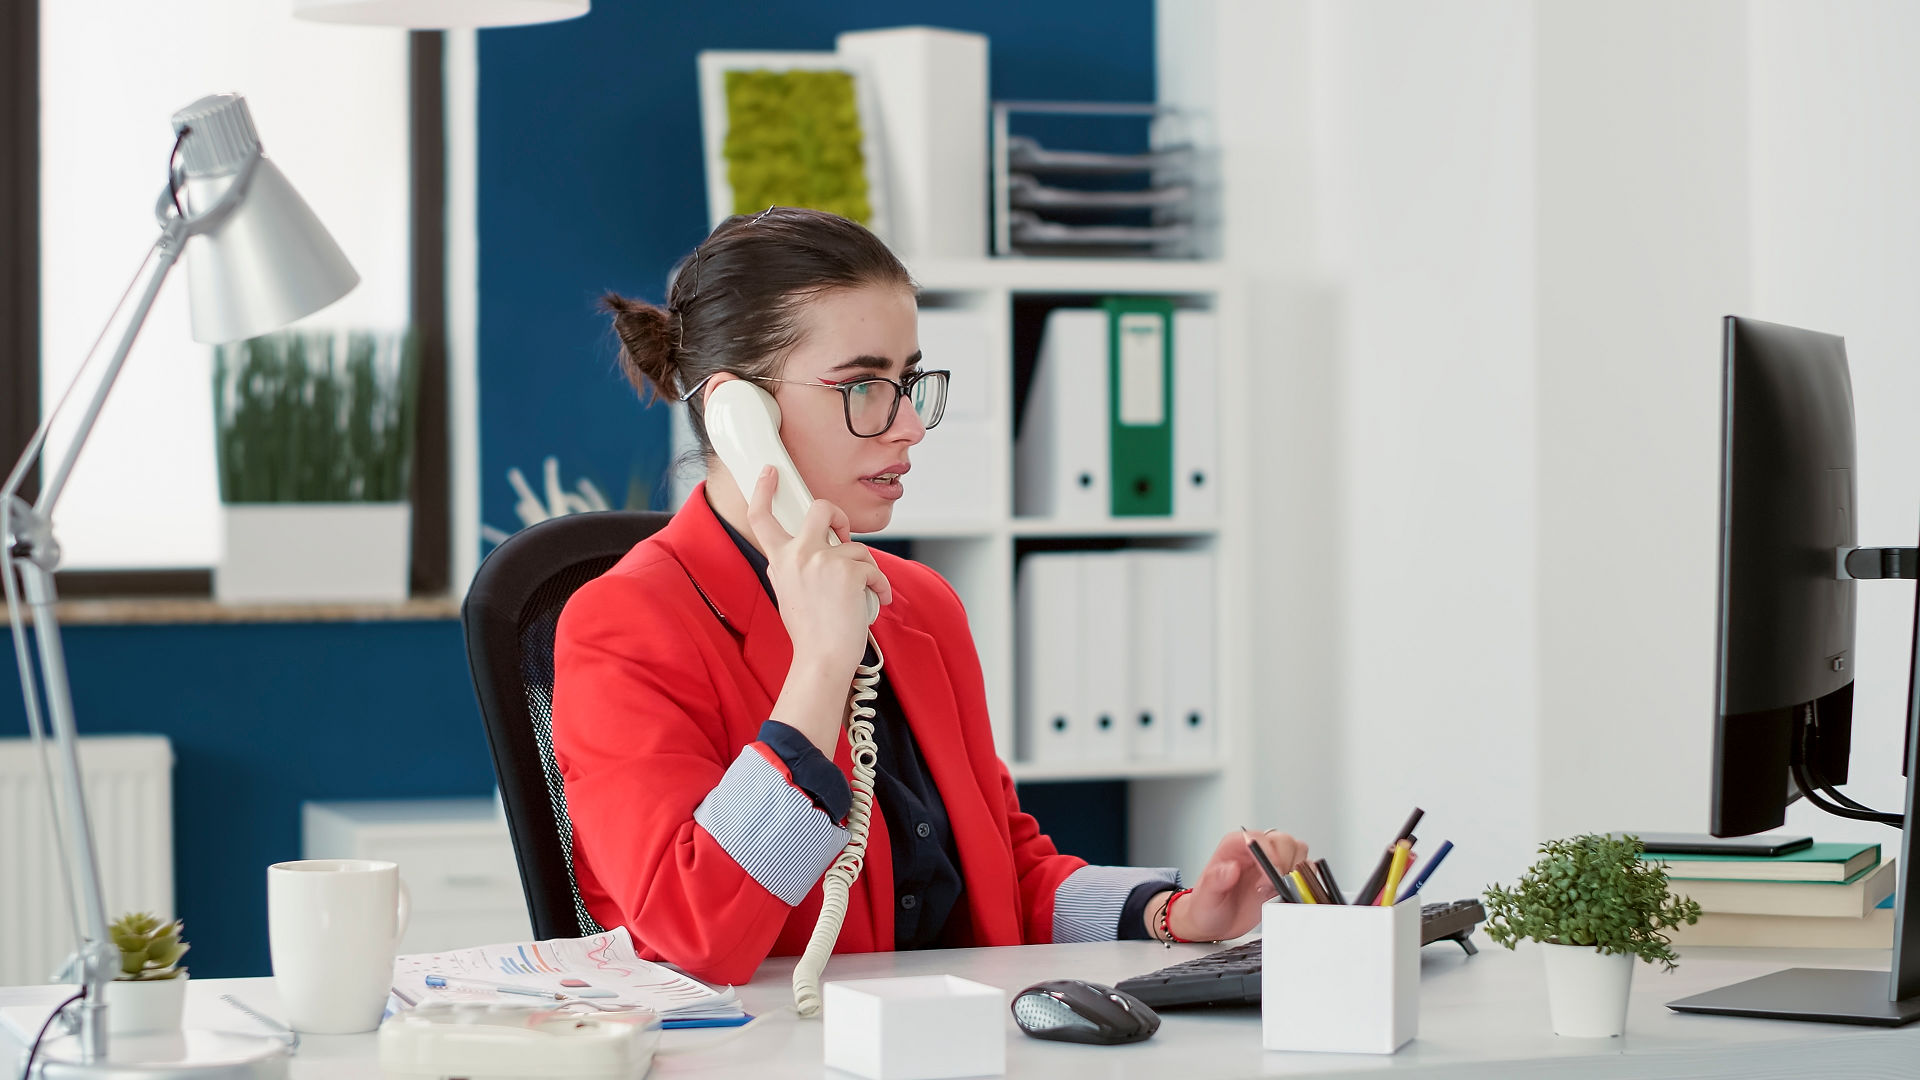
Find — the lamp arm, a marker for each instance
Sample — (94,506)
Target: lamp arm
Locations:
(32,553)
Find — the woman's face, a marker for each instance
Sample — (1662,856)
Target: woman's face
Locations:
(848,334)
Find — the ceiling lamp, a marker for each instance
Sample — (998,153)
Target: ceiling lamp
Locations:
(440,14)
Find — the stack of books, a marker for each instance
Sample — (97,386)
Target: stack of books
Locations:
(1833,896)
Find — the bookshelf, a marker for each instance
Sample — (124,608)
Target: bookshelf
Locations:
(1178,809)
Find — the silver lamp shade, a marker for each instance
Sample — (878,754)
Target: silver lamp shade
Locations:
(268,261)
(440,14)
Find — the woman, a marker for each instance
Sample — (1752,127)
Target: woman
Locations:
(701,685)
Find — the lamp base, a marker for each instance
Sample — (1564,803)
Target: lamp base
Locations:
(193,1054)
(1823,995)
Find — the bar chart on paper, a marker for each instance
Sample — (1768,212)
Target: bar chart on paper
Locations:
(602,968)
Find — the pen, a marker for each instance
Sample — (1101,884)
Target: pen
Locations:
(1401,851)
(1279,884)
(441,982)
(1433,864)
(1378,878)
(1326,878)
(1300,883)
(1315,885)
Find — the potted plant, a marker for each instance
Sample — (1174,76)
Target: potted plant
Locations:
(150,992)
(314,440)
(1595,905)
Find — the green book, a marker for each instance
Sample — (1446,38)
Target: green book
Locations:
(1821,862)
(1140,405)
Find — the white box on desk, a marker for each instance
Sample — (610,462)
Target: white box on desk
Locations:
(927,1027)
(1340,978)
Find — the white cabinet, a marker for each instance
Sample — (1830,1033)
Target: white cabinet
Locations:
(455,857)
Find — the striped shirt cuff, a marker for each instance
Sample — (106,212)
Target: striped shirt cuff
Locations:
(770,827)
(1087,906)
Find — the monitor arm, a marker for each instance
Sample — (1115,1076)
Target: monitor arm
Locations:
(1868,564)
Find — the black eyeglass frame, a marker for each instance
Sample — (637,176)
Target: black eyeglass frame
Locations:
(901,389)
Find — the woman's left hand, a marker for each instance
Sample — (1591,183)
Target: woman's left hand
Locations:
(1225,903)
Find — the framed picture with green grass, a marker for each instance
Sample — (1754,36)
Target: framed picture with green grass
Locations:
(314,433)
(792,129)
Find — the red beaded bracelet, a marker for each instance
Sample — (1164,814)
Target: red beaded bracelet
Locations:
(1166,920)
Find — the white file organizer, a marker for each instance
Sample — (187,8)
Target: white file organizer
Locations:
(1340,978)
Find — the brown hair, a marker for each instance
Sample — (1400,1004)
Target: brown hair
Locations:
(733,302)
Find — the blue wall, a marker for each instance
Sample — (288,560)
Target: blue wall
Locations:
(591,179)
(262,718)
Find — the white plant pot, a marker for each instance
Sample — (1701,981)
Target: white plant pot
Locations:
(314,553)
(146,1007)
(1587,990)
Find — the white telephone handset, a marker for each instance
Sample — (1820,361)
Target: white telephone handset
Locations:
(743,424)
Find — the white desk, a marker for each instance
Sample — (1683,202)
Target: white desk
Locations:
(1481,1016)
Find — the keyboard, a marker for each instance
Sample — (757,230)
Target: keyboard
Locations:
(1232,976)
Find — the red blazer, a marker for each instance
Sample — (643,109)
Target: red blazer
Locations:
(664,669)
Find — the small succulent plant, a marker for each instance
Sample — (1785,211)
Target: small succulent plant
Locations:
(149,948)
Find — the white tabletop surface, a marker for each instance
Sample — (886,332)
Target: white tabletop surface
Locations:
(1481,1016)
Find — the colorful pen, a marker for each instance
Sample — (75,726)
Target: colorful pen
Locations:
(1401,851)
(1413,888)
(441,982)
(1371,890)
(1300,883)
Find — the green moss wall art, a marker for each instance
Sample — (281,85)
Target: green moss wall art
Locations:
(794,139)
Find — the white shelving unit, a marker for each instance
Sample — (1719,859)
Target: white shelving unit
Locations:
(1177,809)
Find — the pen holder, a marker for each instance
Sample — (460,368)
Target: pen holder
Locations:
(1340,978)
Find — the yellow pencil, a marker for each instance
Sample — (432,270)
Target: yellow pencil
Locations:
(1300,883)
(1401,852)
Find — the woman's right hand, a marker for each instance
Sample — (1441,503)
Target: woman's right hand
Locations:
(822,591)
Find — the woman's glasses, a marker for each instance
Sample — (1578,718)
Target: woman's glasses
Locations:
(873,401)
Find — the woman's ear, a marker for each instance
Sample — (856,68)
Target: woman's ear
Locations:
(713,382)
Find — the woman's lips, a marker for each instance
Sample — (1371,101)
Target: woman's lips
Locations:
(886,482)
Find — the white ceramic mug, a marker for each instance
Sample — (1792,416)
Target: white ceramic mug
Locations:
(333,926)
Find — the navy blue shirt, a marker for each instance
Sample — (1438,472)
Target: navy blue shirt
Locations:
(927,884)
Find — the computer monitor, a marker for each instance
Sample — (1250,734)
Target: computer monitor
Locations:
(1786,612)
(1788,564)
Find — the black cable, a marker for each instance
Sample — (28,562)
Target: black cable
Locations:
(34,1050)
(1811,791)
(173,175)
(1812,784)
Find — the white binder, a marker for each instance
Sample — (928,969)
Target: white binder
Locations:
(948,483)
(1047,665)
(1150,581)
(1061,457)
(1106,641)
(1196,404)
(1190,677)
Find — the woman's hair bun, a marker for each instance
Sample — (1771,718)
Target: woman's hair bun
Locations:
(646,344)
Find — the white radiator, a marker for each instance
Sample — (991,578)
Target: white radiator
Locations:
(129,784)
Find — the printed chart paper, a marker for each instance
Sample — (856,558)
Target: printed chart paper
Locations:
(600,963)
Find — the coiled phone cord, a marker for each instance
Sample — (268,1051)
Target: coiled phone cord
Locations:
(846,866)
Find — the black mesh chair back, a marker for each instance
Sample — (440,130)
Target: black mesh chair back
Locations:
(510,615)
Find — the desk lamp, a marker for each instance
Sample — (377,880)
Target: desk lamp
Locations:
(257,259)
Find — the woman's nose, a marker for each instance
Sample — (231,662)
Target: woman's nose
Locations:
(907,426)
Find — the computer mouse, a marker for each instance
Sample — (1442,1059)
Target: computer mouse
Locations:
(1070,1010)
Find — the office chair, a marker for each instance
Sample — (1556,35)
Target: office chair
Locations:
(510,614)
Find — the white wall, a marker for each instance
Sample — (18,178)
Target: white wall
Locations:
(1376,160)
(1490,244)
(331,106)
(1643,247)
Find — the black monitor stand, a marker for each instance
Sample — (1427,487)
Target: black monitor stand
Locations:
(1838,996)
